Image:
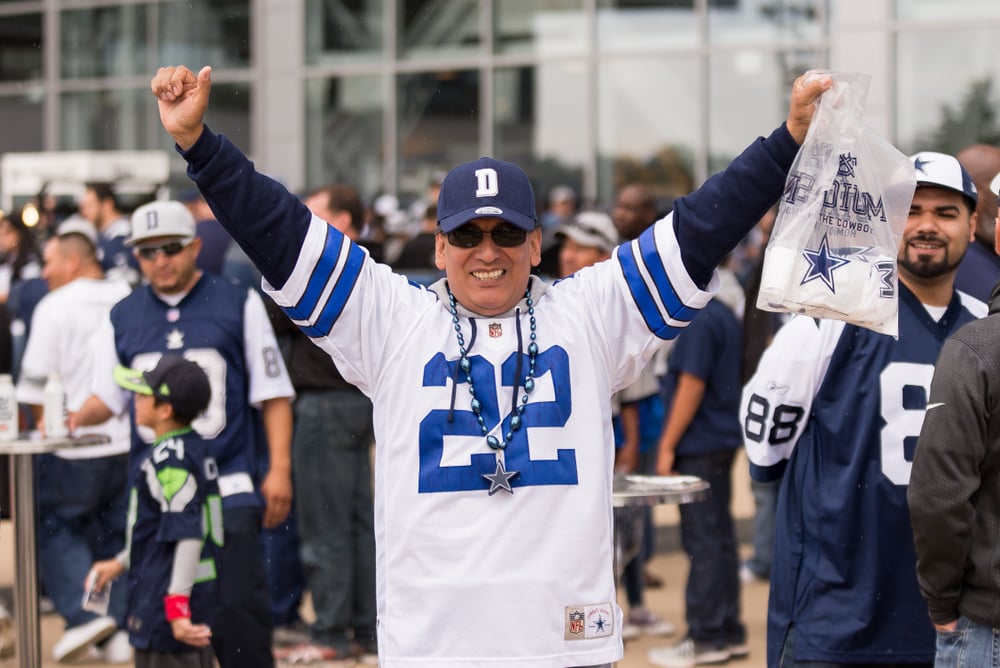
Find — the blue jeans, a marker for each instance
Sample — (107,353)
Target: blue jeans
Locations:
(712,597)
(82,508)
(331,456)
(765,500)
(971,645)
(788,659)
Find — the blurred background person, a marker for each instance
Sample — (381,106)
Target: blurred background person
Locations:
(20,258)
(215,241)
(99,205)
(980,268)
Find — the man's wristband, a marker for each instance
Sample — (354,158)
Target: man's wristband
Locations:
(177,606)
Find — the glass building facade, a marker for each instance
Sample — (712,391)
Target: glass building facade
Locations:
(590,93)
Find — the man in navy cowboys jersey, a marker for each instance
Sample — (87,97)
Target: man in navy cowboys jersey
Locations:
(223,326)
(491,389)
(837,409)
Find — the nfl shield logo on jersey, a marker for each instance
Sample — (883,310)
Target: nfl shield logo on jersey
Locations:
(496,331)
(574,623)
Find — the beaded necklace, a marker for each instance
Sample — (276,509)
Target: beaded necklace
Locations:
(501,478)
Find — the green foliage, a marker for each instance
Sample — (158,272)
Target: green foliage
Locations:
(972,121)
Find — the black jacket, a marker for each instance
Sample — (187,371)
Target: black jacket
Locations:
(954,492)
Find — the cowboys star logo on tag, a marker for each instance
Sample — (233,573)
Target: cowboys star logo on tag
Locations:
(496,331)
(600,621)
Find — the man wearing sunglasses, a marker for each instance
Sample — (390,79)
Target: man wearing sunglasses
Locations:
(223,326)
(491,389)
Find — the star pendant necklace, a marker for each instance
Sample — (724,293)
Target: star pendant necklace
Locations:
(499,479)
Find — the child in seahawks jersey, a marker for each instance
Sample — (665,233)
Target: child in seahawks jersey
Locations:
(175,522)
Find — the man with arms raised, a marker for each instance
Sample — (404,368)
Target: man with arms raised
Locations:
(491,390)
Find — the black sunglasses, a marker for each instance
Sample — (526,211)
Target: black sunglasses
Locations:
(169,249)
(470,236)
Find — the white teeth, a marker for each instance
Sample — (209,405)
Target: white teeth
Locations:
(488,275)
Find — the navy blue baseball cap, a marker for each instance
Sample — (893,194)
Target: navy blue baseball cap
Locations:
(486,188)
(176,380)
(944,171)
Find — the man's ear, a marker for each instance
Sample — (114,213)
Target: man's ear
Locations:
(996,231)
(196,246)
(165,411)
(439,243)
(535,240)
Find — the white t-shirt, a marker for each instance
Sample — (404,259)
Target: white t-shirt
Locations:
(63,330)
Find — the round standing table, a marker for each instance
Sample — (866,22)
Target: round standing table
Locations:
(632,493)
(652,490)
(22,482)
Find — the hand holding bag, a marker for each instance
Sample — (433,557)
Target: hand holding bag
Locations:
(832,253)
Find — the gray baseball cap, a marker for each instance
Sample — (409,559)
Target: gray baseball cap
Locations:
(77,224)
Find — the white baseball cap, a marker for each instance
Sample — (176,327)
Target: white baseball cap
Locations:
(77,224)
(161,219)
(944,171)
(591,228)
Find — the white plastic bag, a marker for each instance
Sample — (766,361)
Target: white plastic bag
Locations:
(832,252)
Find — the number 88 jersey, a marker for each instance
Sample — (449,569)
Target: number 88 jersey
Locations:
(837,410)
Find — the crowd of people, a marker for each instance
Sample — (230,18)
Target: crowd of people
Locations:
(284,413)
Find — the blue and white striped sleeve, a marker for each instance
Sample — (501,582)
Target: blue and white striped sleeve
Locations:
(322,280)
(667,298)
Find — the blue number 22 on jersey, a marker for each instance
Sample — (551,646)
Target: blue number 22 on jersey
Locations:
(440,423)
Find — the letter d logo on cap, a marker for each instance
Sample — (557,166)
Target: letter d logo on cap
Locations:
(489,184)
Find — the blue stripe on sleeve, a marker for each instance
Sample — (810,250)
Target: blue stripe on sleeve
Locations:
(654,265)
(341,292)
(640,293)
(319,277)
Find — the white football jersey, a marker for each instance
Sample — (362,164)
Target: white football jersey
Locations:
(540,589)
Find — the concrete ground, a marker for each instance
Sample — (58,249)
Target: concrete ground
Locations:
(670,564)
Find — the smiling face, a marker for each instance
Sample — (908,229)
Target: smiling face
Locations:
(937,234)
(488,279)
